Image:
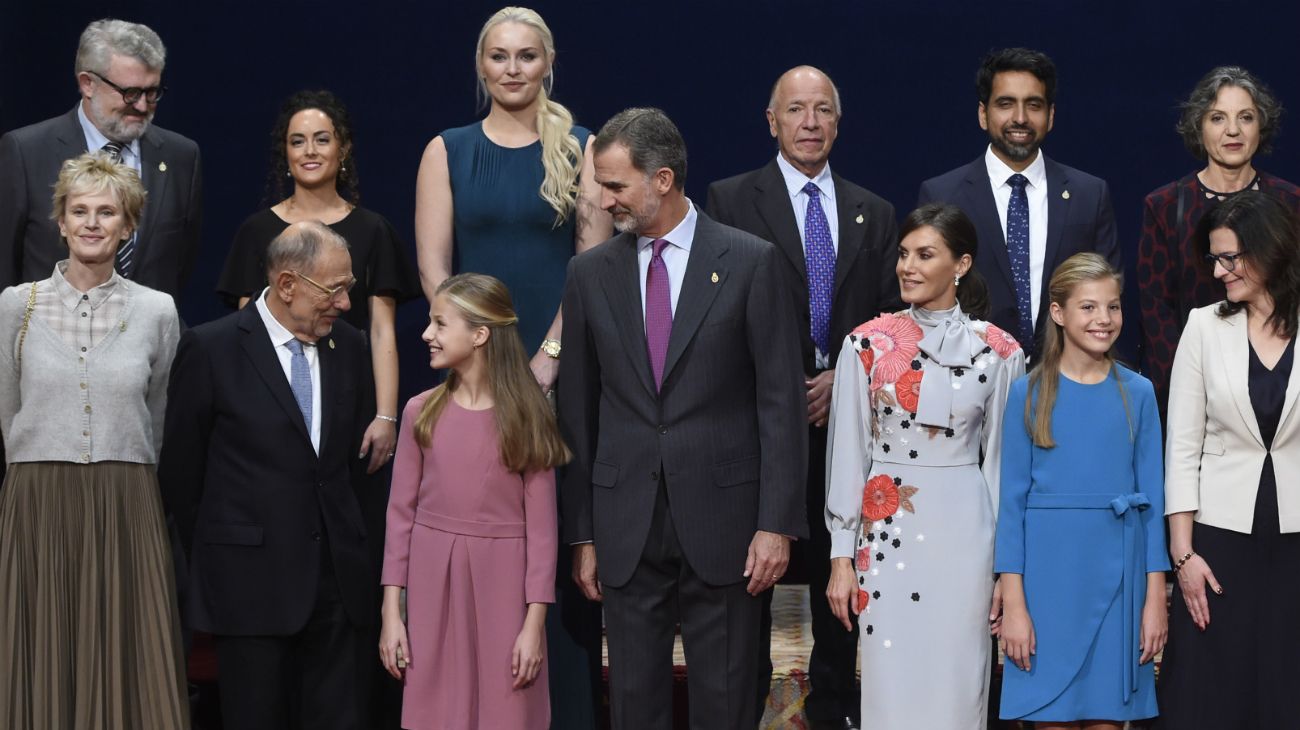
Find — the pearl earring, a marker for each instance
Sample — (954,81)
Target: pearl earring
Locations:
(956,280)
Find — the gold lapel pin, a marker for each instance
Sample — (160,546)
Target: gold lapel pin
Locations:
(162,167)
(715,277)
(1065,194)
(331,341)
(859,218)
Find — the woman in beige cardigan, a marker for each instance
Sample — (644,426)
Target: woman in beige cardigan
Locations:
(1231,490)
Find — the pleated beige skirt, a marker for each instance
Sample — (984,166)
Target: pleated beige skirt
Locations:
(89,633)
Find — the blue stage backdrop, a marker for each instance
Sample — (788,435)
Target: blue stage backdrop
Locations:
(905,71)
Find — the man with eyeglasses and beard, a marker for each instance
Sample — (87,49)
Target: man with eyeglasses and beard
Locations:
(1031,212)
(119,71)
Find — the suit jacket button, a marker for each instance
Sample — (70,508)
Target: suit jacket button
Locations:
(654,476)
(663,430)
(315,536)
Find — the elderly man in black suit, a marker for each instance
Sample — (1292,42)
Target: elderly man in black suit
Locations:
(265,416)
(1031,212)
(119,74)
(680,396)
(839,242)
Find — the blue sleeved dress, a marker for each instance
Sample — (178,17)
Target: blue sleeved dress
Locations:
(1083,522)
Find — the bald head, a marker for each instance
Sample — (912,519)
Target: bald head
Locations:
(804,115)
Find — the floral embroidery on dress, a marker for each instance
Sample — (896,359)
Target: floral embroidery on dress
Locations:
(863,598)
(896,337)
(908,389)
(879,498)
(867,356)
(1001,342)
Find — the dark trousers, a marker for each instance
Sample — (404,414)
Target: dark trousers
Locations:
(832,668)
(309,681)
(718,625)
(573,648)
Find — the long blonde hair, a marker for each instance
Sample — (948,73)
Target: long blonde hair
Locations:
(561,153)
(529,438)
(1045,377)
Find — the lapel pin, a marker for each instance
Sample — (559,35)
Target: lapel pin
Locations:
(122,326)
(162,167)
(715,277)
(331,341)
(859,218)
(1065,194)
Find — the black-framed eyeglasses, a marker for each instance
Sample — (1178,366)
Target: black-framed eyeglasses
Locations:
(1227,260)
(328,291)
(133,94)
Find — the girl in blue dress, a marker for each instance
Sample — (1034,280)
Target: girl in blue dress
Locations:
(1081,539)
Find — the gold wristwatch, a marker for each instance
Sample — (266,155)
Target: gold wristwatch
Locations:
(551,348)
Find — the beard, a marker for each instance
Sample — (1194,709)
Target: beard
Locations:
(116,125)
(1017,152)
(627,220)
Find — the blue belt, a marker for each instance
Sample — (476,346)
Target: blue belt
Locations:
(1126,507)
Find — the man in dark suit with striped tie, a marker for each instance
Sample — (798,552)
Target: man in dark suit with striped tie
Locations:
(119,74)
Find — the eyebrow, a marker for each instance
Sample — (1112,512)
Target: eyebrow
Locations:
(507,50)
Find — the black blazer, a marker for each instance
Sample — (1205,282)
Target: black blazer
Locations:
(727,430)
(250,497)
(1079,219)
(30,160)
(865,283)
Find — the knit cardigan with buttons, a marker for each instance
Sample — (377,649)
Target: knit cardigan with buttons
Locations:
(106,404)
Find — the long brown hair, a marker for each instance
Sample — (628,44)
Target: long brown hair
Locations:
(1045,377)
(530,440)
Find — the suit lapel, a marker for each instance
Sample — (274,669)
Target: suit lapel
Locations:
(329,365)
(71,136)
(1058,211)
(257,346)
(983,210)
(772,201)
(852,224)
(699,288)
(154,175)
(1234,348)
(623,291)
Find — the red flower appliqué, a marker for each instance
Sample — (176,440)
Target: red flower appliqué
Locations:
(863,598)
(908,389)
(1001,342)
(879,498)
(896,337)
(867,356)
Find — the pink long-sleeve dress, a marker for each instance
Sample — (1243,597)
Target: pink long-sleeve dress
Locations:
(473,544)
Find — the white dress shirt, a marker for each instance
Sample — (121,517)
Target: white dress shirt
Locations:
(794,185)
(1036,193)
(279,339)
(675,256)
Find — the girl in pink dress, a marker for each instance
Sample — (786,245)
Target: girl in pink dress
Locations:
(471,525)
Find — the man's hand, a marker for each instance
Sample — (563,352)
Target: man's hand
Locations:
(819,397)
(584,571)
(769,554)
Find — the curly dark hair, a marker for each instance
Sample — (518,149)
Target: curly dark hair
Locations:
(1267,234)
(1202,99)
(1015,59)
(347,182)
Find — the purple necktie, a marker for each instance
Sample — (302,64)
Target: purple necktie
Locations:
(819,255)
(658,311)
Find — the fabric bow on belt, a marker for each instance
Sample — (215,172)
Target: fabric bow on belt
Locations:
(952,343)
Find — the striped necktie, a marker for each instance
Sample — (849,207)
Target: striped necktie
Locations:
(126,249)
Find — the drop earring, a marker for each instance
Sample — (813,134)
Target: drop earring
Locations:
(956,280)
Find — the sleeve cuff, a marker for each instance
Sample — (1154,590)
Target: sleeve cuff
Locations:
(842,543)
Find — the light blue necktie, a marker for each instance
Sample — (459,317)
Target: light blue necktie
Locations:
(1018,250)
(300,379)
(819,255)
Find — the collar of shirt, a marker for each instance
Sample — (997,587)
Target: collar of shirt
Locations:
(999,171)
(71,298)
(795,180)
(95,140)
(279,333)
(680,236)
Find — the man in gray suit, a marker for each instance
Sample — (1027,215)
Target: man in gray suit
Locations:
(680,394)
(119,74)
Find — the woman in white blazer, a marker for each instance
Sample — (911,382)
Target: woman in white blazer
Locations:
(1231,487)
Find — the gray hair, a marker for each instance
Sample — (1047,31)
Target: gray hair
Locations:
(1202,99)
(651,139)
(835,90)
(298,246)
(104,38)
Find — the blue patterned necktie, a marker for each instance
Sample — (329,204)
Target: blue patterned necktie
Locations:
(1018,250)
(300,379)
(125,249)
(819,254)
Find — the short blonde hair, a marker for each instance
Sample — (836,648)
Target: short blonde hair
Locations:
(94,173)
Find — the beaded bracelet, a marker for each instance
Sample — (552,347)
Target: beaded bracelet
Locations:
(1182,561)
(390,419)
